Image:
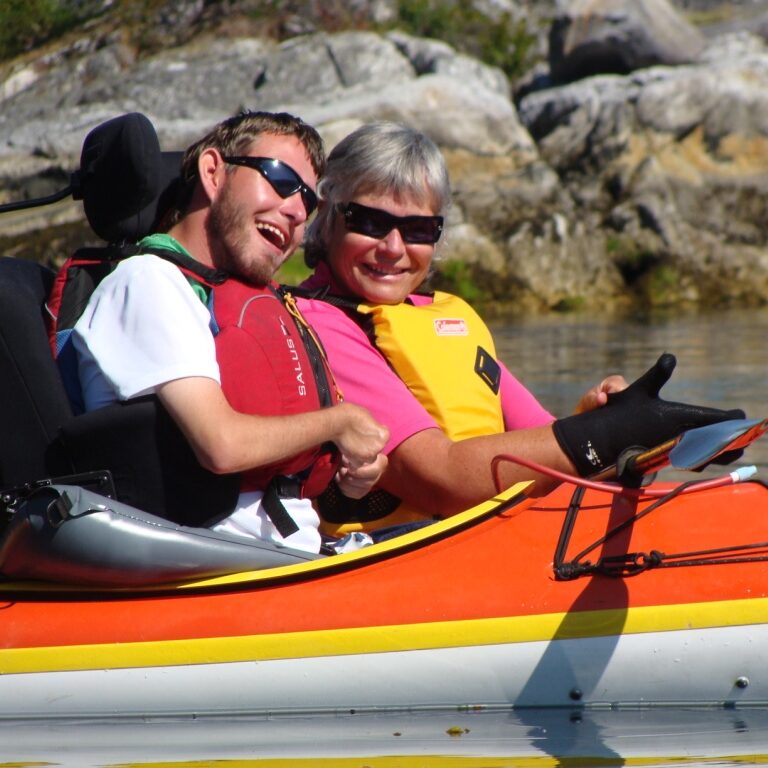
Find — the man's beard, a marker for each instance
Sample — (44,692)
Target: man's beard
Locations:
(230,229)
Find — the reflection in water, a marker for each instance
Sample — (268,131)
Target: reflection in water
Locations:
(417,739)
(722,359)
(566,656)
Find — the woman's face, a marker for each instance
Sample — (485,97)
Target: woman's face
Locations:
(380,269)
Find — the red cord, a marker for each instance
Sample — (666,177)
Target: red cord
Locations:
(614,488)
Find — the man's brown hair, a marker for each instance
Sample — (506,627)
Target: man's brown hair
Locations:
(234,136)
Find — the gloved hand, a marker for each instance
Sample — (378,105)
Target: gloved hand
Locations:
(634,417)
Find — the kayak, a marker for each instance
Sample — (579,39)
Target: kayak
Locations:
(584,598)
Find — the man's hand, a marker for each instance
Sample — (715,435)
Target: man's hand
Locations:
(598,395)
(355,483)
(358,436)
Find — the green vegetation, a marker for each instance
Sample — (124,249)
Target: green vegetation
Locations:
(294,270)
(25,24)
(663,285)
(499,42)
(570,304)
(457,277)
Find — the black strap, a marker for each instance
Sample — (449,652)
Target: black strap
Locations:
(634,563)
(280,487)
(208,274)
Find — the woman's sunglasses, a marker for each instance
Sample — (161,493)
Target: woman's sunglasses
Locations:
(374,222)
(282,178)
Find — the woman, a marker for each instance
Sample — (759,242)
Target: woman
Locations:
(425,365)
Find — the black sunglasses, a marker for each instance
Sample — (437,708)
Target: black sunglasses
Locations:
(374,222)
(282,178)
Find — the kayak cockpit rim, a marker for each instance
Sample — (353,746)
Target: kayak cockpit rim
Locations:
(440,529)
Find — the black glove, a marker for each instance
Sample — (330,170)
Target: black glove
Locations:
(635,417)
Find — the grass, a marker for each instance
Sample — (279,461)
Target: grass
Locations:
(500,42)
(26,24)
(293,271)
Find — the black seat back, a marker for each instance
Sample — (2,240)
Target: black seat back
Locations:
(125,180)
(151,463)
(33,404)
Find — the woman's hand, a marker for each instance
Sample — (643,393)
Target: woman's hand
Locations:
(355,483)
(598,395)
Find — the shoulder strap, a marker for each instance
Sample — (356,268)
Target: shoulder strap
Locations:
(208,275)
(349,306)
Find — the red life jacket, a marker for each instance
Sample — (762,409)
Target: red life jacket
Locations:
(271,364)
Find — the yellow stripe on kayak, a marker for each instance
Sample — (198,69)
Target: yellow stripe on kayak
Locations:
(459,761)
(386,639)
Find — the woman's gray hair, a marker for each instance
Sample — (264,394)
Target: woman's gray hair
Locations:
(378,158)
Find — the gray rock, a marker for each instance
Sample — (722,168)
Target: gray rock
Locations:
(453,114)
(203,80)
(310,69)
(593,37)
(435,57)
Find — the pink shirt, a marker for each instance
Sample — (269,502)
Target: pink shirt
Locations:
(365,378)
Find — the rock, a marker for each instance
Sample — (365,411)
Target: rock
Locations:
(310,69)
(594,37)
(675,161)
(435,57)
(358,76)
(562,270)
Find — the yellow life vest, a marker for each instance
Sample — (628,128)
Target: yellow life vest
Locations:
(445,354)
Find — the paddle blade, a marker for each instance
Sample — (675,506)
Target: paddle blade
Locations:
(697,447)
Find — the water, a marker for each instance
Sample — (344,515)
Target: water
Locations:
(722,359)
(721,362)
(422,739)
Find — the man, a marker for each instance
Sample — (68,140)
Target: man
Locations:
(247,191)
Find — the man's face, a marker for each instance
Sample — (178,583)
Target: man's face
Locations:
(251,228)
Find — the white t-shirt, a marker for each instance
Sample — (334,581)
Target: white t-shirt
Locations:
(144,325)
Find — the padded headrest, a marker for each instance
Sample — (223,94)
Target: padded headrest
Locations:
(125,180)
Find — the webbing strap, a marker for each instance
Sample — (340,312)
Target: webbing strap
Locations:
(275,508)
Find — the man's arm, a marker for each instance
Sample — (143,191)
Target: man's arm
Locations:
(225,440)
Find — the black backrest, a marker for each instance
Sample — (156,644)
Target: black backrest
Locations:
(151,462)
(33,404)
(125,181)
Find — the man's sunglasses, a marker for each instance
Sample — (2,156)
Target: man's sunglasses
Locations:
(374,222)
(282,178)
